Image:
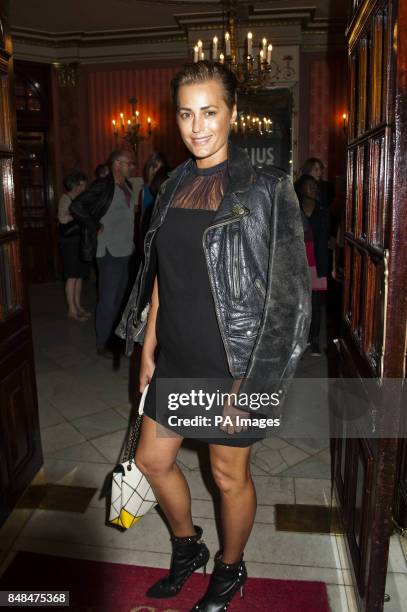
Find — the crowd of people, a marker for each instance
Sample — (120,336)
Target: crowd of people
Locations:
(104,224)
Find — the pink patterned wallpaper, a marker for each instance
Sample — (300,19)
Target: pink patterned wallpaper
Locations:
(326,101)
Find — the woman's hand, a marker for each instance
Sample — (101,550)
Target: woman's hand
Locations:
(230,411)
(147,367)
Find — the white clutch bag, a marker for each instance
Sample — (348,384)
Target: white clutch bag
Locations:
(132,496)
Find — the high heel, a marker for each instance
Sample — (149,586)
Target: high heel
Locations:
(226,580)
(188,554)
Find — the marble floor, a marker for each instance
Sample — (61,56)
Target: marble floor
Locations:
(84,406)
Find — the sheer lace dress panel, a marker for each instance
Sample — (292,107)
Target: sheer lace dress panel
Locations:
(202,189)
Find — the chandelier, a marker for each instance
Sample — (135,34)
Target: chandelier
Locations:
(254,68)
(130,129)
(252,125)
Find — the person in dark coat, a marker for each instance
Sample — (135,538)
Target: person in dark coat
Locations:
(315,223)
(223,294)
(314,167)
(106,212)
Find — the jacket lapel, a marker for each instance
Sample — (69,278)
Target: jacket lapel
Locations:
(241,176)
(167,192)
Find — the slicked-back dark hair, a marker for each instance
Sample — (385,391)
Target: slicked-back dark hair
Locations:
(200,72)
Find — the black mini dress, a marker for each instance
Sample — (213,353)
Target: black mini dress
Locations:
(190,345)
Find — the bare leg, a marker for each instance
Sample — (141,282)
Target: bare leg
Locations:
(230,469)
(77,294)
(155,457)
(70,297)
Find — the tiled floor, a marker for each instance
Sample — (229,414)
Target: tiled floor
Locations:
(84,407)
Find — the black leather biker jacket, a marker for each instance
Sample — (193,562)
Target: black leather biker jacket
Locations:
(88,208)
(258,272)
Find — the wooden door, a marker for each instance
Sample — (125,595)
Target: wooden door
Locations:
(20,443)
(372,343)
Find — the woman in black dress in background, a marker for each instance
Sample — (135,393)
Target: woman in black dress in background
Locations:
(75,270)
(186,330)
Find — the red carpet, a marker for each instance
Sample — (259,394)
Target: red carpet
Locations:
(111,587)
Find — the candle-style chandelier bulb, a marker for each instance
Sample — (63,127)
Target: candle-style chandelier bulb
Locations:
(227,44)
(250,43)
(215,48)
(252,67)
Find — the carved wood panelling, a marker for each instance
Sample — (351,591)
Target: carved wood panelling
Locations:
(367,158)
(373,335)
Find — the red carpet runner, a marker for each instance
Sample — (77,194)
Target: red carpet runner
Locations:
(112,587)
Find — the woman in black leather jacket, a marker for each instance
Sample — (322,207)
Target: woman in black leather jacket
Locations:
(223,294)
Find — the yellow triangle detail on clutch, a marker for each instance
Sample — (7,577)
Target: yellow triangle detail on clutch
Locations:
(125,519)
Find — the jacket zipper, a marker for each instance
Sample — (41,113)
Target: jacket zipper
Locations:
(224,222)
(235,266)
(260,287)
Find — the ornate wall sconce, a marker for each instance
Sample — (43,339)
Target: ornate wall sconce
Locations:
(130,129)
(345,123)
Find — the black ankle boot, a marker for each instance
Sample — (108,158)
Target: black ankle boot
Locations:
(225,581)
(188,554)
